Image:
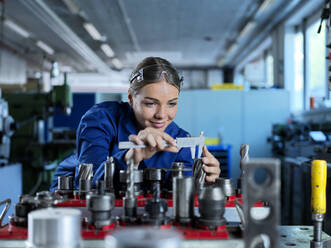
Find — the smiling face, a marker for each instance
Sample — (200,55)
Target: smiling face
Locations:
(155,105)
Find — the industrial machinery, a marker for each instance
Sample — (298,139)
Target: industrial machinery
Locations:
(33,144)
(7,127)
(147,215)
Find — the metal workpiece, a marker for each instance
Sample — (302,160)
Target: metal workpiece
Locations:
(244,156)
(226,185)
(65,185)
(154,174)
(25,205)
(156,208)
(138,179)
(54,228)
(317,241)
(100,205)
(183,199)
(85,171)
(144,238)
(212,206)
(109,174)
(85,175)
(262,228)
(44,199)
(199,174)
(130,200)
(177,169)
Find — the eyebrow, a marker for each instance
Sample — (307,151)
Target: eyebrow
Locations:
(154,99)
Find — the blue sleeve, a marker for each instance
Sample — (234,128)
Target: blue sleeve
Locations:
(95,134)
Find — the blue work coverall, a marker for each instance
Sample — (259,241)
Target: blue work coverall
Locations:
(101,129)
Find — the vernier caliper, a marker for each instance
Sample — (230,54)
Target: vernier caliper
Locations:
(190,142)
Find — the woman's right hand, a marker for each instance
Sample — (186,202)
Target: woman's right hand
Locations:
(154,140)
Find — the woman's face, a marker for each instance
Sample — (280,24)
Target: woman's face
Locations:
(155,105)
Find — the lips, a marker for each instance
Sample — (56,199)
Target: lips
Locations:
(158,124)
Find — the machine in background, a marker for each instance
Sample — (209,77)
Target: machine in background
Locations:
(33,143)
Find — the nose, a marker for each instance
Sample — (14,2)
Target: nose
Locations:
(161,112)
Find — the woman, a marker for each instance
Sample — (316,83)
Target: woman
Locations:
(147,118)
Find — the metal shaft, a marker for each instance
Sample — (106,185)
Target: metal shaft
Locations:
(109,174)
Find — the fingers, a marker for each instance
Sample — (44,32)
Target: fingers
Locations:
(211,170)
(212,165)
(205,152)
(211,179)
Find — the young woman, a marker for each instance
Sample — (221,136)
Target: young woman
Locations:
(146,118)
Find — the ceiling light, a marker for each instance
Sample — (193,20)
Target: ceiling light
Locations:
(16,28)
(247,29)
(45,47)
(117,63)
(72,6)
(107,50)
(265,5)
(92,31)
(232,48)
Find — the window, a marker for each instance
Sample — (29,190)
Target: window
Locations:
(316,62)
(298,73)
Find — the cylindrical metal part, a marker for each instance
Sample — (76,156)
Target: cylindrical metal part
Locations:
(154,174)
(212,206)
(318,231)
(44,199)
(130,207)
(100,207)
(138,176)
(143,238)
(85,185)
(65,183)
(226,185)
(177,169)
(54,228)
(109,174)
(85,171)
(62,183)
(183,199)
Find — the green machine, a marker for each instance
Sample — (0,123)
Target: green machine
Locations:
(34,143)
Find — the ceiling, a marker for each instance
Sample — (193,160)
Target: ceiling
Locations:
(190,33)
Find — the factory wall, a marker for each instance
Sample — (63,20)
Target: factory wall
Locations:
(238,117)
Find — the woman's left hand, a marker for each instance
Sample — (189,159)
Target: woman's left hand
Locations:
(212,166)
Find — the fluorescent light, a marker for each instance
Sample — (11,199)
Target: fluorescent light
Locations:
(232,48)
(107,50)
(117,63)
(247,29)
(265,5)
(72,6)
(92,31)
(16,28)
(45,47)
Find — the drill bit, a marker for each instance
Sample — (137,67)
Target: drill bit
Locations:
(109,174)
(85,171)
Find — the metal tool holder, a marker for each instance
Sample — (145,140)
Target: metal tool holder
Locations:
(130,199)
(100,205)
(85,175)
(244,156)
(262,230)
(109,175)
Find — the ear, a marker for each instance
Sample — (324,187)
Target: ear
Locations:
(130,97)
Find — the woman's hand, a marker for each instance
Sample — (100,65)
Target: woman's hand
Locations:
(154,140)
(212,166)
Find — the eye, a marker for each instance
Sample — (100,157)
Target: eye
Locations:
(172,104)
(149,104)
